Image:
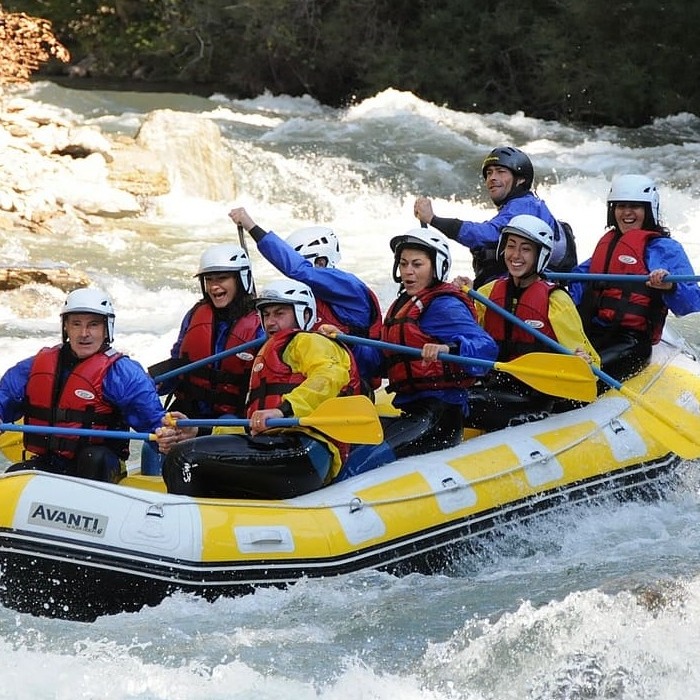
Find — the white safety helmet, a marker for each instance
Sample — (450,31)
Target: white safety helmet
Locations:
(433,242)
(226,257)
(634,188)
(90,301)
(290,292)
(316,242)
(535,230)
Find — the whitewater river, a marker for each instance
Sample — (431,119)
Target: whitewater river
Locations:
(599,602)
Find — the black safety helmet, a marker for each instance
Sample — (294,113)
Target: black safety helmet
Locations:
(512,158)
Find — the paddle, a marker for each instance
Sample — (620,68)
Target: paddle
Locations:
(11,446)
(558,376)
(78,432)
(241,239)
(606,277)
(671,425)
(251,344)
(347,418)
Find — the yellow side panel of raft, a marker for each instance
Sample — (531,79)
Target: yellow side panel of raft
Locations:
(12,487)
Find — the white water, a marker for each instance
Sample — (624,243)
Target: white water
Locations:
(552,610)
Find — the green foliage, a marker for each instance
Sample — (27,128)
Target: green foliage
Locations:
(592,61)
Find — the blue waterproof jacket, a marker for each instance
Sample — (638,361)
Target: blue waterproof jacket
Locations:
(475,235)
(126,385)
(661,253)
(346,294)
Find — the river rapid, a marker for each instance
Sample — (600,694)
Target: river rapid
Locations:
(602,601)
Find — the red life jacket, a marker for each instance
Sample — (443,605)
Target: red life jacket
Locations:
(80,403)
(532,308)
(272,378)
(632,306)
(222,389)
(326,314)
(410,375)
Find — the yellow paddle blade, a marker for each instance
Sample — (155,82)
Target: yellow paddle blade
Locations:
(671,425)
(568,376)
(11,445)
(348,419)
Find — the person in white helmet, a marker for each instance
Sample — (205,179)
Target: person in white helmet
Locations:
(525,245)
(434,316)
(311,255)
(294,372)
(624,320)
(508,176)
(83,383)
(224,318)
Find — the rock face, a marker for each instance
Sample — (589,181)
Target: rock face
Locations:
(191,146)
(65,278)
(58,177)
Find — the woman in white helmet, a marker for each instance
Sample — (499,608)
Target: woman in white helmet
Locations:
(432,315)
(311,255)
(294,372)
(624,320)
(82,383)
(525,245)
(223,318)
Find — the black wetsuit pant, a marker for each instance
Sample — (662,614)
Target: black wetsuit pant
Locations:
(95,462)
(501,400)
(282,465)
(622,353)
(423,426)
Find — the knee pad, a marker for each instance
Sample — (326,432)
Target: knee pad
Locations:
(98,463)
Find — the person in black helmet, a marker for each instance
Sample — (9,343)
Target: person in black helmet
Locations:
(508,175)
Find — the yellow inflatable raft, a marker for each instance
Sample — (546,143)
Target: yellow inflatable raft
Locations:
(79,549)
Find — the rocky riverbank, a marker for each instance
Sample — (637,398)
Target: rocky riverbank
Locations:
(60,178)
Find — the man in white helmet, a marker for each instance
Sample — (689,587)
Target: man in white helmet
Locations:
(310,255)
(525,245)
(83,383)
(294,372)
(625,320)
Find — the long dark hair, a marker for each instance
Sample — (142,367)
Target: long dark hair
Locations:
(243,303)
(649,223)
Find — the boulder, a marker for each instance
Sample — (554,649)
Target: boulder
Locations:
(196,157)
(65,278)
(137,170)
(60,178)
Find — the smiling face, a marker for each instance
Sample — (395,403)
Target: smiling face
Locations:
(520,255)
(221,288)
(499,182)
(629,215)
(86,333)
(415,269)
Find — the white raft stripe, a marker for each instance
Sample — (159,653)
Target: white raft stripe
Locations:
(294,566)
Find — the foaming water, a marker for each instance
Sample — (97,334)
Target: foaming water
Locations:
(595,602)
(542,620)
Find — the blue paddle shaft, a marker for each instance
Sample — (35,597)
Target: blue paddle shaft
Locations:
(610,381)
(415,352)
(251,344)
(604,277)
(76,432)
